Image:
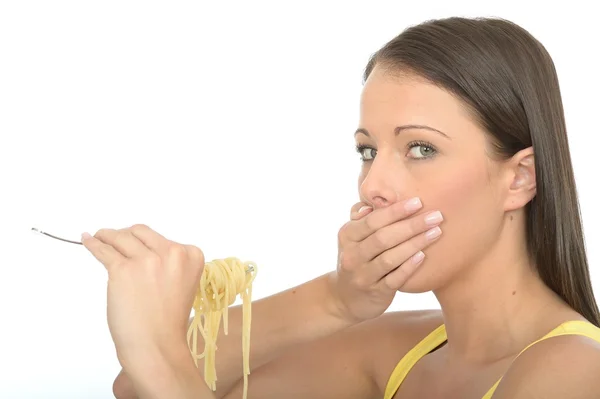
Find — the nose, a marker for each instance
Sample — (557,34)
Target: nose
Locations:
(382,183)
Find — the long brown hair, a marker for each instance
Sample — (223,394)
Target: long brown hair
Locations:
(508,80)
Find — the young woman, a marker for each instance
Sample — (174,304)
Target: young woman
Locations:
(467,190)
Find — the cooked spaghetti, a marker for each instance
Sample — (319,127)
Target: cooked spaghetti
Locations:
(221,282)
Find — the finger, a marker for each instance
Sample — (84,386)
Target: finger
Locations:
(397,278)
(360,210)
(151,239)
(397,233)
(123,241)
(383,217)
(394,258)
(104,253)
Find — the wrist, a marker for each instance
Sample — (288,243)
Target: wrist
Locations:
(334,305)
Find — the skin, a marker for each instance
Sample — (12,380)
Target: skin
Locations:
(492,302)
(488,290)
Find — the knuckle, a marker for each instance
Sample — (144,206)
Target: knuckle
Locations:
(350,260)
(360,281)
(379,239)
(139,227)
(416,225)
(120,234)
(176,251)
(387,261)
(411,247)
(195,253)
(343,231)
(102,233)
(370,223)
(345,261)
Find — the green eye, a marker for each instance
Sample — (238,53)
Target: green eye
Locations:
(366,153)
(421,150)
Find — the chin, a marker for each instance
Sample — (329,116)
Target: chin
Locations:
(427,278)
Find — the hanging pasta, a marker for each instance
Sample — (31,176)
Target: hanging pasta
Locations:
(221,282)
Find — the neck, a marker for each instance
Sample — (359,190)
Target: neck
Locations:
(499,305)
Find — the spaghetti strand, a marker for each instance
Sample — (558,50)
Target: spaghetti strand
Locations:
(222,281)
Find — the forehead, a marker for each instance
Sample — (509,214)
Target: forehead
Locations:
(391,98)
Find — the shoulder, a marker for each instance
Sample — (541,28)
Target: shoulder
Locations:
(386,339)
(566,366)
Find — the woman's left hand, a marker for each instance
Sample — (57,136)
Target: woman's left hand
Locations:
(152,283)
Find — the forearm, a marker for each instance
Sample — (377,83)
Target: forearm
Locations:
(167,376)
(298,315)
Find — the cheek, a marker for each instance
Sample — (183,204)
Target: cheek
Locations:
(466,199)
(455,192)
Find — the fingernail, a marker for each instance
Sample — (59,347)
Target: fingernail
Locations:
(85,236)
(364,208)
(433,233)
(433,218)
(413,204)
(418,257)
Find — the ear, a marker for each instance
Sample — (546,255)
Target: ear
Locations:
(520,171)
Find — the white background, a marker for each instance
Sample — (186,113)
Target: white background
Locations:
(229,127)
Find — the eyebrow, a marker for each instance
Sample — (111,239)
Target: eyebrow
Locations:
(400,129)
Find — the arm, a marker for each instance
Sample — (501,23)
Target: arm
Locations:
(375,257)
(330,368)
(354,363)
(171,375)
(278,323)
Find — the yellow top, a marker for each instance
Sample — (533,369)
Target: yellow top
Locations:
(438,337)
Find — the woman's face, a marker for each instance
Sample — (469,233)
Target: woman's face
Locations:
(416,139)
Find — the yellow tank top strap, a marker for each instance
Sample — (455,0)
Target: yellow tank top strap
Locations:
(427,344)
(573,327)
